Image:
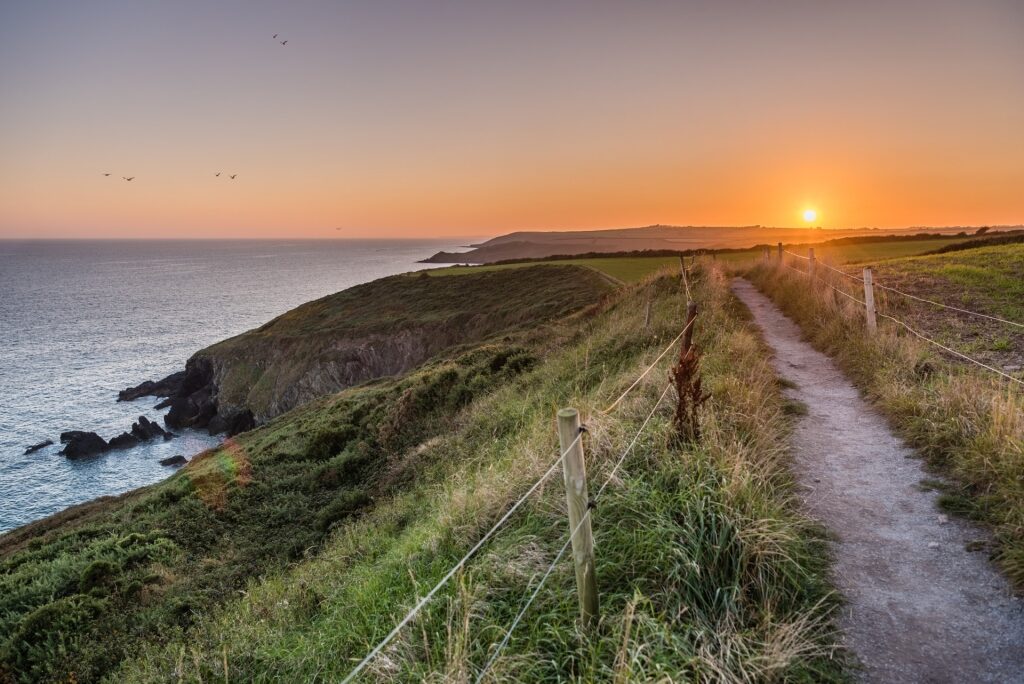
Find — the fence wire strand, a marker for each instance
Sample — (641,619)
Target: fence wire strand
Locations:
(919,334)
(947,306)
(586,516)
(952,351)
(458,566)
(611,407)
(476,547)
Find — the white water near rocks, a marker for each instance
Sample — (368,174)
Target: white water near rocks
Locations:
(80,320)
(919,606)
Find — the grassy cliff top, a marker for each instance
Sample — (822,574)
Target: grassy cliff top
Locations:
(389,303)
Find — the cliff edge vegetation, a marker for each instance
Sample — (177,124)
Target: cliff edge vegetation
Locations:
(382,328)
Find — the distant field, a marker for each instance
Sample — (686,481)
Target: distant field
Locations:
(988,280)
(633,269)
(876,250)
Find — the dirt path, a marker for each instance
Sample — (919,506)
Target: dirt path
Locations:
(919,607)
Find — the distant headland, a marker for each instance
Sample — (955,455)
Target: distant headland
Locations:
(540,244)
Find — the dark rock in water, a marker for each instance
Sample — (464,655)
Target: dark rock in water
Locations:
(160,388)
(79,444)
(72,435)
(36,447)
(145,430)
(125,440)
(174,460)
(232,423)
(163,404)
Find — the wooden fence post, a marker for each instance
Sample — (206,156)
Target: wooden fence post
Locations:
(691,313)
(780,252)
(647,315)
(810,260)
(869,302)
(577,501)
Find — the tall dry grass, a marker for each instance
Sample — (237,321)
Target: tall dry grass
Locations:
(967,422)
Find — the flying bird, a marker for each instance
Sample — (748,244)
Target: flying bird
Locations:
(275,36)
(284,42)
(232,176)
(128,178)
(106,174)
(217,174)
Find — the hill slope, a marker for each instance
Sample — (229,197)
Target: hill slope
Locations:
(286,553)
(378,329)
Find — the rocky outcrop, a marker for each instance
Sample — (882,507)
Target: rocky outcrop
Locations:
(36,447)
(79,444)
(231,422)
(161,388)
(142,431)
(175,460)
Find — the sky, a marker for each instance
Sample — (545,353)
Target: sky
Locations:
(443,118)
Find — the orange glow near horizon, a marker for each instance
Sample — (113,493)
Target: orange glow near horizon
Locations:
(482,120)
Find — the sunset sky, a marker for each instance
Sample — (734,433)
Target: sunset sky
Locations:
(392,119)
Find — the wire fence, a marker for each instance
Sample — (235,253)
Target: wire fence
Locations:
(421,603)
(948,306)
(568,541)
(611,407)
(458,566)
(868,284)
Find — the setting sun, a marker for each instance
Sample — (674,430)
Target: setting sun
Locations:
(810,215)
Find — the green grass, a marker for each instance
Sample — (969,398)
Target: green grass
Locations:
(632,269)
(78,592)
(867,251)
(286,555)
(385,327)
(623,269)
(964,420)
(990,279)
(705,569)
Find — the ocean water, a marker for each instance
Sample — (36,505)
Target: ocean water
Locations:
(81,320)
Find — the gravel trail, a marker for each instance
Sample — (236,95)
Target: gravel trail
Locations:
(919,606)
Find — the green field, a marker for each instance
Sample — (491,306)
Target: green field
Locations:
(988,279)
(631,269)
(868,251)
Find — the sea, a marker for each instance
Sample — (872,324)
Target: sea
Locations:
(81,320)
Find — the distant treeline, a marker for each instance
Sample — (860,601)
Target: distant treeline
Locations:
(859,239)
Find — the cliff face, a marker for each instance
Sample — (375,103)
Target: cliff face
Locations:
(379,329)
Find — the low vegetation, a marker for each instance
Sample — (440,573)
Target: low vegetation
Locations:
(631,267)
(384,327)
(286,554)
(625,268)
(967,421)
